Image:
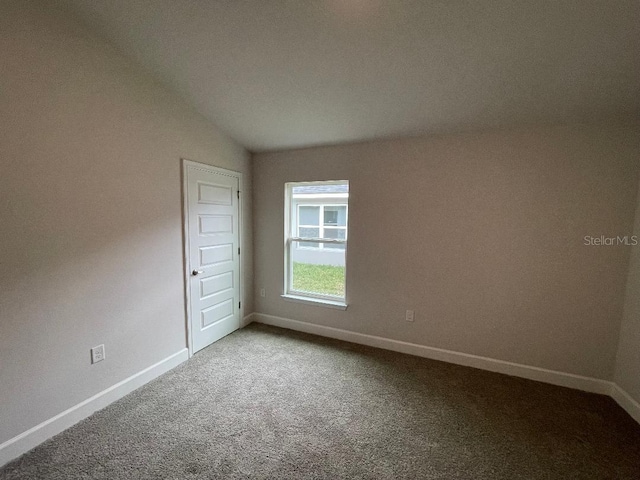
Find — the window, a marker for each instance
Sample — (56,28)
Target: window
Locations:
(316,229)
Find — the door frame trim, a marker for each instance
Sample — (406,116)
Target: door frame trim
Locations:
(185,164)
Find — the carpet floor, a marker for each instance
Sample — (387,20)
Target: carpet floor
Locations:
(271,403)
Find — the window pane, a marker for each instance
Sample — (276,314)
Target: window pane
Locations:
(339,233)
(308,232)
(335,216)
(313,210)
(309,215)
(318,271)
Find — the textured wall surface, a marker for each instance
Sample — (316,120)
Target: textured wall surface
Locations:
(482,235)
(91,245)
(628,363)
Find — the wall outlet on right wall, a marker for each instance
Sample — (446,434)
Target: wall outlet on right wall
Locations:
(409,316)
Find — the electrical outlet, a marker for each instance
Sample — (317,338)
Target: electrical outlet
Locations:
(97,354)
(263,293)
(409,316)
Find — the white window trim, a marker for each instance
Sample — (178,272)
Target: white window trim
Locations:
(289,294)
(317,302)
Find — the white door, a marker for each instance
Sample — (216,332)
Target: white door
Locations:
(213,250)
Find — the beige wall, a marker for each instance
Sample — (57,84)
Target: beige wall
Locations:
(90,215)
(627,374)
(482,235)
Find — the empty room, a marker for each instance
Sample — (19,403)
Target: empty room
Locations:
(328,239)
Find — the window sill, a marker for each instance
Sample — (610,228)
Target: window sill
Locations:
(318,302)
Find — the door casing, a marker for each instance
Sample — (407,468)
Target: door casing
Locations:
(185,240)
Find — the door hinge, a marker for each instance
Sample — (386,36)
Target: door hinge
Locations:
(238,250)
(239,304)
(238,194)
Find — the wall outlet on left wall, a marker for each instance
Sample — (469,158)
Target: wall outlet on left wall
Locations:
(97,354)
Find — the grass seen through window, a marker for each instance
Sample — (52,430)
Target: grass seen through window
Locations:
(323,279)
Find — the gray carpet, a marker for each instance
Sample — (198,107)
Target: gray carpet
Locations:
(272,403)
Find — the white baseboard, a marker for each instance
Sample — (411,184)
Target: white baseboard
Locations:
(246,320)
(578,382)
(626,401)
(569,380)
(24,442)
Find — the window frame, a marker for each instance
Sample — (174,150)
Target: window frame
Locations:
(292,213)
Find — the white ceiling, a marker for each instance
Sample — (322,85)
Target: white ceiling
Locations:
(287,73)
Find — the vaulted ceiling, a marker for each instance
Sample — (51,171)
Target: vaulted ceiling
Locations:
(288,73)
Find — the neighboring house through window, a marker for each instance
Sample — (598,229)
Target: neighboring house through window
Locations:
(316,241)
(322,221)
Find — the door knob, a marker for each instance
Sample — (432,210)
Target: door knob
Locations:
(196,272)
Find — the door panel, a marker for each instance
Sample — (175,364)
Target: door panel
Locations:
(213,253)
